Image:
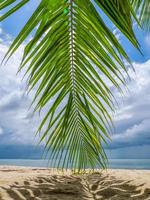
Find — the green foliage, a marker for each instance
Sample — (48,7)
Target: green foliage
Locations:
(142,8)
(71,56)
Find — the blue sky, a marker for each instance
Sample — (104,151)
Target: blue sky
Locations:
(131,138)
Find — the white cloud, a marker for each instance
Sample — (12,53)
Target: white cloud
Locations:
(18,126)
(133,117)
(1,30)
(147,40)
(117,33)
(1,131)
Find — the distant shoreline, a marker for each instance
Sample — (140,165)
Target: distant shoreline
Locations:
(139,164)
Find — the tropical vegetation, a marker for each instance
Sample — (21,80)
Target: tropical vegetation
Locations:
(69,60)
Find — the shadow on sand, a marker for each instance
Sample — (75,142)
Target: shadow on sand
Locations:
(87,187)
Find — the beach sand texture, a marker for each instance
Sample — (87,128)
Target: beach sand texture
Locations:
(21,183)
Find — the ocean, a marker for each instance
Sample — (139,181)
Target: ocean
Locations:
(113,163)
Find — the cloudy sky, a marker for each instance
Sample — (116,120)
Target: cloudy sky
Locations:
(131,138)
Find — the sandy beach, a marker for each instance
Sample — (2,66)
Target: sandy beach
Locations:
(22,183)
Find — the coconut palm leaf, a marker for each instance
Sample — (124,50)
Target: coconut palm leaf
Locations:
(142,8)
(70,59)
(14,8)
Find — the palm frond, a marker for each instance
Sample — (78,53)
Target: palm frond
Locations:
(142,8)
(121,14)
(71,55)
(15,5)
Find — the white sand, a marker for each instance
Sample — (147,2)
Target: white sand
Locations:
(22,183)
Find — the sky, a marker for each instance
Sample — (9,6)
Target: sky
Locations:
(131,138)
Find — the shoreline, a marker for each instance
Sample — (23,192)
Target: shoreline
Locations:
(139,164)
(27,183)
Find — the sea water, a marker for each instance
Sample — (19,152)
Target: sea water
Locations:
(113,163)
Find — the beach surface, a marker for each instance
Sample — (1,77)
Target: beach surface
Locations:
(26,183)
